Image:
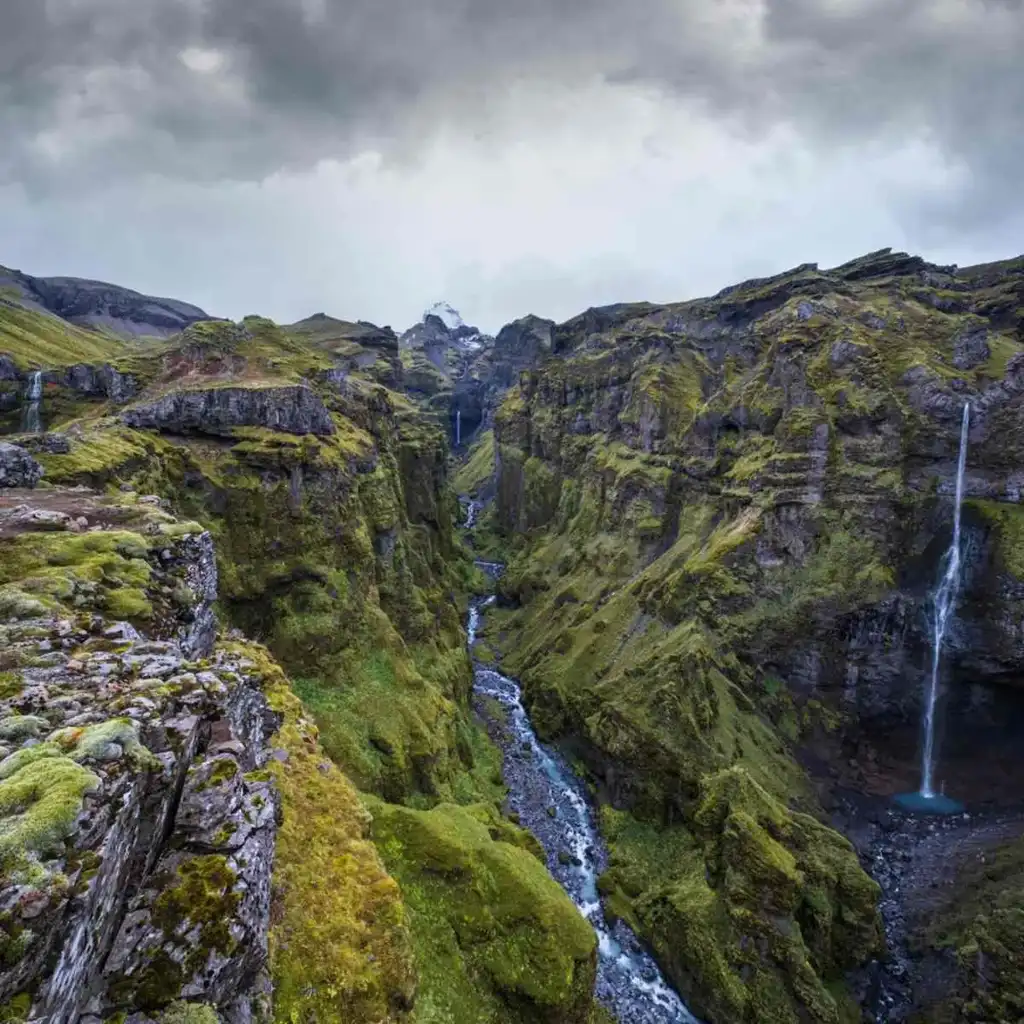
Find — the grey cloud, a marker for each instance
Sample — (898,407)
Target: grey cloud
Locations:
(303,81)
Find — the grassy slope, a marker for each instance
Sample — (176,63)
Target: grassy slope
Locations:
(36,340)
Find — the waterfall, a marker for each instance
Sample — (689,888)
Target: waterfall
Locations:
(944,601)
(458,427)
(31,423)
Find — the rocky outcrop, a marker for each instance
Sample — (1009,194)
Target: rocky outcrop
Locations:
(518,346)
(17,467)
(96,381)
(292,409)
(361,347)
(138,827)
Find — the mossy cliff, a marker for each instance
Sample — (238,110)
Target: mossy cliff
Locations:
(325,495)
(723,518)
(136,827)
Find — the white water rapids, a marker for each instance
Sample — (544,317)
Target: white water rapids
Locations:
(629,982)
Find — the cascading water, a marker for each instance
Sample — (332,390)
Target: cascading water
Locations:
(552,803)
(944,600)
(31,422)
(458,427)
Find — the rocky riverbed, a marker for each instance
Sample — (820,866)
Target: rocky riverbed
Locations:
(916,859)
(550,800)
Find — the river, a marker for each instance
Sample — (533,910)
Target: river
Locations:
(629,982)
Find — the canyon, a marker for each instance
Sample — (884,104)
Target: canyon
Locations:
(256,767)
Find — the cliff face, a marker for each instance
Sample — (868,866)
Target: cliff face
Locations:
(728,515)
(138,822)
(326,497)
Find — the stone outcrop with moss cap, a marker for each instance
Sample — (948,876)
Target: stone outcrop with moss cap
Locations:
(136,826)
(293,410)
(17,467)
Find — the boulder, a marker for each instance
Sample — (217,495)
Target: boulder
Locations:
(17,467)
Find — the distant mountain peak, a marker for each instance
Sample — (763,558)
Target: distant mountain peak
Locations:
(447,314)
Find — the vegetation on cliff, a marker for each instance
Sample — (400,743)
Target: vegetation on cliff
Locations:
(338,551)
(701,502)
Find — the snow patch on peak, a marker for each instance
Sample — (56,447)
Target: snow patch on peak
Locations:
(447,314)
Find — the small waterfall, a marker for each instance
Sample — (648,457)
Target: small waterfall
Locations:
(944,601)
(458,427)
(31,422)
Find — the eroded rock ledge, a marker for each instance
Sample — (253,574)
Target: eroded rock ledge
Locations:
(292,409)
(137,820)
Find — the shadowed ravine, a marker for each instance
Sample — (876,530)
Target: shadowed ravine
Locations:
(551,802)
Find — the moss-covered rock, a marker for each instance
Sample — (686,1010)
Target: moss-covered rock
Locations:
(495,937)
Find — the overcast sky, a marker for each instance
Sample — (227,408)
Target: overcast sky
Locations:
(368,157)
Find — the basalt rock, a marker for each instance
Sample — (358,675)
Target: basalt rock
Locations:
(17,467)
(294,410)
(96,381)
(138,830)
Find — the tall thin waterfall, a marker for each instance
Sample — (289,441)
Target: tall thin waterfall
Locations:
(31,423)
(944,601)
(458,427)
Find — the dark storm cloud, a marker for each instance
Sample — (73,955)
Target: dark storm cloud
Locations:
(98,87)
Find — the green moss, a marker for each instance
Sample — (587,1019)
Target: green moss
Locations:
(21,727)
(478,469)
(10,684)
(1007,521)
(16,1009)
(338,943)
(489,925)
(750,875)
(108,569)
(224,770)
(189,1013)
(201,895)
(93,741)
(39,803)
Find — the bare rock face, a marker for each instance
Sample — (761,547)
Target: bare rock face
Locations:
(293,409)
(17,467)
(101,380)
(137,827)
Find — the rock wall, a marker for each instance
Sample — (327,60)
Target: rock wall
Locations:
(294,410)
(138,822)
(726,517)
